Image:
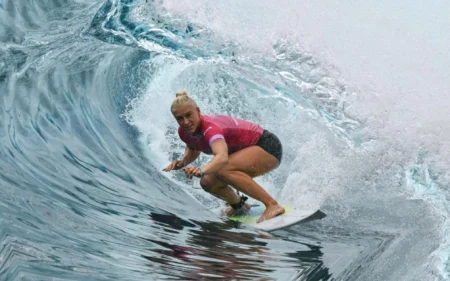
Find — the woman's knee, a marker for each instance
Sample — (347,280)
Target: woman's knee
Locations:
(208,182)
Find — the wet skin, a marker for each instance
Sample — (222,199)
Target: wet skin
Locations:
(224,171)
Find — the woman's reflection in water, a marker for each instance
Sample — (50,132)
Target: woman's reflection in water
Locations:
(215,251)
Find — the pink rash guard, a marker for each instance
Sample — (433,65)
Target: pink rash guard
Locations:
(237,133)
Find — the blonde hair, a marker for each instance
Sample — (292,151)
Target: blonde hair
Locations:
(180,99)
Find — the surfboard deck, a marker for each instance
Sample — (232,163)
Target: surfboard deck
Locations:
(290,217)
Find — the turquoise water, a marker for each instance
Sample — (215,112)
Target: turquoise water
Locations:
(86,129)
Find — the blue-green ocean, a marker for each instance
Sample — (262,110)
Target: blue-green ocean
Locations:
(85,130)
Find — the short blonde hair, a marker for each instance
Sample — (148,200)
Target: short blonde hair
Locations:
(180,99)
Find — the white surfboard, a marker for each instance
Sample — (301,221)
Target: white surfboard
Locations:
(291,216)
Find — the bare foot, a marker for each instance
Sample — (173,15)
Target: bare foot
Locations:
(228,211)
(270,212)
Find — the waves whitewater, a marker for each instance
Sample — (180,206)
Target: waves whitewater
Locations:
(86,129)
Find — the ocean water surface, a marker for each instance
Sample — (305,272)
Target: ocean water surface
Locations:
(357,93)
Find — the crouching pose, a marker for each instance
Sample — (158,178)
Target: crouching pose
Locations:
(242,150)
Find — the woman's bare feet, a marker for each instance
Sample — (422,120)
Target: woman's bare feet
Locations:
(228,211)
(270,212)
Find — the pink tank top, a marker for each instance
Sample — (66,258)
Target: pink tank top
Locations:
(237,133)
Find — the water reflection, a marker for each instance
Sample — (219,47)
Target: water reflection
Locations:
(199,250)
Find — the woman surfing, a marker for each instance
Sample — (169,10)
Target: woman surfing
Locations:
(242,150)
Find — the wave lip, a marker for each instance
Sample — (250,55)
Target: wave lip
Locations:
(85,132)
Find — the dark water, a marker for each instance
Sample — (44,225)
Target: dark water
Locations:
(85,89)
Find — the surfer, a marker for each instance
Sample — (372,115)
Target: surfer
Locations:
(242,150)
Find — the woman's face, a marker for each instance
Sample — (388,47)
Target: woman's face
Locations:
(188,117)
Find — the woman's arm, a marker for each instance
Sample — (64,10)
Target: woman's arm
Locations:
(220,150)
(189,156)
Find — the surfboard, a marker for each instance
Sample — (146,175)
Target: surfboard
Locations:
(290,217)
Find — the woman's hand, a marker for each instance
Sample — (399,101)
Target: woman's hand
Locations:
(175,165)
(192,171)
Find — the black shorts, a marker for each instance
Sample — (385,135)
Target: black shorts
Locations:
(270,143)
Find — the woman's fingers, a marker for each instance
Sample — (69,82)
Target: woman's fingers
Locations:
(191,171)
(187,171)
(196,172)
(178,165)
(172,166)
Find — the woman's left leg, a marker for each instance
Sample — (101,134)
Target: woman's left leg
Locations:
(245,164)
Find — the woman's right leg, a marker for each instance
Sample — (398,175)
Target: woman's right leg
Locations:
(219,189)
(242,166)
(223,191)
